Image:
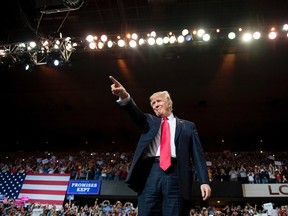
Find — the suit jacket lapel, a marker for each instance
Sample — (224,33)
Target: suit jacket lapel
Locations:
(179,125)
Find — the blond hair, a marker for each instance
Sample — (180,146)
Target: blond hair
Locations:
(165,95)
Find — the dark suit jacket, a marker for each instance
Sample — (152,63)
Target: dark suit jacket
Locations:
(189,152)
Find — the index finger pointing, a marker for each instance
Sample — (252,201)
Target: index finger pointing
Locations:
(116,83)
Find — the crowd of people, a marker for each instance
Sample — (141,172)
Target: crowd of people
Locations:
(106,208)
(247,167)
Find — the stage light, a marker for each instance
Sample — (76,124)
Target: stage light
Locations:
(256,35)
(206,37)
(92,45)
(89,38)
(180,39)
(100,45)
(22,47)
(128,36)
(121,43)
(247,37)
(28,66)
(272,35)
(151,41)
(55,59)
(2,52)
(188,37)
(141,41)
(104,38)
(132,43)
(56,44)
(56,62)
(110,44)
(172,39)
(166,40)
(153,34)
(32,44)
(232,35)
(159,41)
(134,36)
(185,32)
(200,33)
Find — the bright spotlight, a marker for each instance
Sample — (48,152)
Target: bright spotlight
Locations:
(232,35)
(185,32)
(89,38)
(141,41)
(100,45)
(256,35)
(56,62)
(272,35)
(180,39)
(32,44)
(247,37)
(92,45)
(132,43)
(134,36)
(166,40)
(151,41)
(104,38)
(153,34)
(159,41)
(26,67)
(188,37)
(172,39)
(206,37)
(22,45)
(200,33)
(121,43)
(110,44)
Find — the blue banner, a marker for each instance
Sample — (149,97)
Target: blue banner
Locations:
(87,187)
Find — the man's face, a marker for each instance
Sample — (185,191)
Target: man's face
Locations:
(161,106)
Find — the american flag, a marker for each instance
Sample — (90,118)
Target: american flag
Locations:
(39,188)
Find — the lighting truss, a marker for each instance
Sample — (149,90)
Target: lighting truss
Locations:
(35,53)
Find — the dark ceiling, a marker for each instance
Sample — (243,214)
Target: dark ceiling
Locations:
(239,97)
(27,18)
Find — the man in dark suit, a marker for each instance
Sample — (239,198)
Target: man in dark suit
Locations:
(163,192)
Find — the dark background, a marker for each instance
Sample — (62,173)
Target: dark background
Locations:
(236,95)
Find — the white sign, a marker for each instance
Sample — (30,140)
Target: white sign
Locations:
(265,190)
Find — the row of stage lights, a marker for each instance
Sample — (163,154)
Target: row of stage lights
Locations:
(57,51)
(199,36)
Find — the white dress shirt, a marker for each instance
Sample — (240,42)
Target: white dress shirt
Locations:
(154,148)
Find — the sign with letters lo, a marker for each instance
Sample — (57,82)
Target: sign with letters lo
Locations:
(87,187)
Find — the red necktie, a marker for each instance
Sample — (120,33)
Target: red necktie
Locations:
(165,150)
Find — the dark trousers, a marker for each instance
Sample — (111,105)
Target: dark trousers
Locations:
(161,193)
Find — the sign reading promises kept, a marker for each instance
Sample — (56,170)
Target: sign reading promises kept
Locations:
(91,187)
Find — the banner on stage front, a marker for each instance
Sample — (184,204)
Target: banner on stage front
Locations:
(265,190)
